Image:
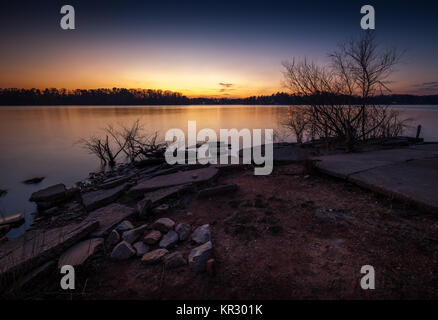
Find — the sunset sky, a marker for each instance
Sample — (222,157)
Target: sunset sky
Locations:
(202,48)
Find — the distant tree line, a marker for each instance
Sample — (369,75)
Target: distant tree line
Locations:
(122,96)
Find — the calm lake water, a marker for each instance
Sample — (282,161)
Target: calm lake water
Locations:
(41,141)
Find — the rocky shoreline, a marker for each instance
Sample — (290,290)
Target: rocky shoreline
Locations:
(191,222)
(121,213)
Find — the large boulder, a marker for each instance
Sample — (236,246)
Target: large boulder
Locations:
(199,256)
(201,234)
(123,251)
(49,196)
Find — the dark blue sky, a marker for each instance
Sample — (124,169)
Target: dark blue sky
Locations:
(193,46)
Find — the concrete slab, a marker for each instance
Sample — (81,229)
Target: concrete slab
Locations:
(408,173)
(35,247)
(415,181)
(174,179)
(96,199)
(81,252)
(109,217)
(350,163)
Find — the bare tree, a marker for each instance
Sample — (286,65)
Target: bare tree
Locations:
(297,122)
(128,140)
(340,94)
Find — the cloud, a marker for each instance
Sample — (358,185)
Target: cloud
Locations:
(427,87)
(226,85)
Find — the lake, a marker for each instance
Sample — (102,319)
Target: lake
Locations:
(41,141)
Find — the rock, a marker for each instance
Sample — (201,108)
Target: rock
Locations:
(131,235)
(161,209)
(174,260)
(152,199)
(124,226)
(22,254)
(217,190)
(113,239)
(115,181)
(169,239)
(33,180)
(28,279)
(199,256)
(51,194)
(210,267)
(174,179)
(154,257)
(122,251)
(15,219)
(140,248)
(152,237)
(163,224)
(201,234)
(72,192)
(96,199)
(108,217)
(183,230)
(80,252)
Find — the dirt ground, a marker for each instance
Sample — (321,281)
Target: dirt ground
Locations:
(290,235)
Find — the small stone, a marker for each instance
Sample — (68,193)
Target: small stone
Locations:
(113,239)
(164,224)
(141,248)
(183,230)
(199,256)
(152,237)
(124,226)
(169,239)
(154,257)
(201,234)
(174,260)
(122,251)
(210,267)
(132,235)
